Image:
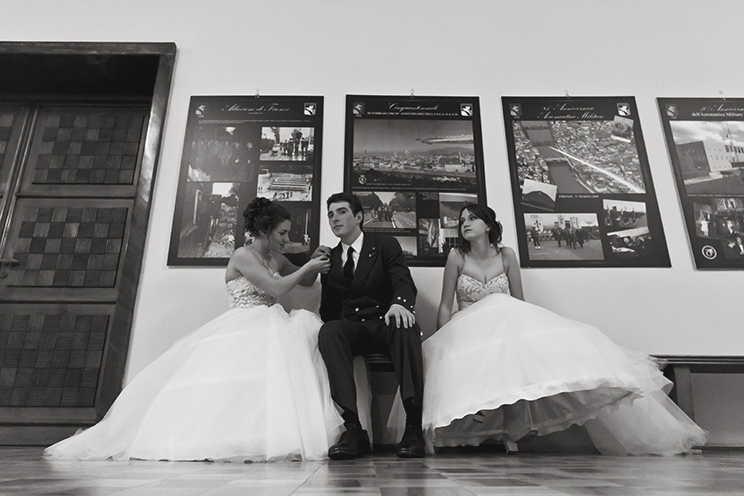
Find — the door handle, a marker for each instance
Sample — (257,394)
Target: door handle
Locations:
(4,263)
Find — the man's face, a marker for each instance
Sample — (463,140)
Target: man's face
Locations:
(342,221)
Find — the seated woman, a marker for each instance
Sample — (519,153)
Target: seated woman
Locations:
(249,385)
(505,369)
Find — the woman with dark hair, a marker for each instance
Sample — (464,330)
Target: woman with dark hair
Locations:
(501,368)
(249,385)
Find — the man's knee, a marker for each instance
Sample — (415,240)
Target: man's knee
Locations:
(405,334)
(330,332)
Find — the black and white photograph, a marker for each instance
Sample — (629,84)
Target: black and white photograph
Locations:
(400,151)
(630,243)
(209,219)
(711,156)
(450,205)
(538,195)
(287,143)
(719,223)
(238,148)
(428,238)
(384,210)
(580,156)
(285,186)
(221,153)
(705,140)
(622,214)
(408,245)
(622,129)
(563,236)
(420,154)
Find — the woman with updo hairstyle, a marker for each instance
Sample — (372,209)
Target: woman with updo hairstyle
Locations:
(263,215)
(503,369)
(249,385)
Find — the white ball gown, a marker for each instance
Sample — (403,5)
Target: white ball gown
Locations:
(248,386)
(502,367)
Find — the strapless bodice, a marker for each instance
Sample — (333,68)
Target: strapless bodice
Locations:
(244,294)
(469,290)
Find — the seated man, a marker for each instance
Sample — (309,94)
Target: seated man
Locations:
(367,305)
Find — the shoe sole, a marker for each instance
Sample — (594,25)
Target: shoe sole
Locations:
(344,456)
(411,455)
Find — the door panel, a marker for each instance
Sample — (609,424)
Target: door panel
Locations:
(67,230)
(65,250)
(51,357)
(85,150)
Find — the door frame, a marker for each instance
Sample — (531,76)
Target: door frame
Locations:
(117,347)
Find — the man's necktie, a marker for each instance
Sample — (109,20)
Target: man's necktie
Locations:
(349,265)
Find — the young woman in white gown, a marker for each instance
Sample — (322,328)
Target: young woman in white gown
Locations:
(249,385)
(505,369)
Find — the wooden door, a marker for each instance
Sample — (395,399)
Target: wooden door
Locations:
(69,174)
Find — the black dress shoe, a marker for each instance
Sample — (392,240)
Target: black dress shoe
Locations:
(412,443)
(352,444)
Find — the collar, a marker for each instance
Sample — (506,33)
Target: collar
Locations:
(357,244)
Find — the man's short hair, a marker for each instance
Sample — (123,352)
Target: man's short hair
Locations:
(352,200)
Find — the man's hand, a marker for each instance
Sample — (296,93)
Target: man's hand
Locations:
(401,315)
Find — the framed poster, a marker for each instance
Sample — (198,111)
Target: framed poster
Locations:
(237,148)
(414,162)
(582,189)
(705,139)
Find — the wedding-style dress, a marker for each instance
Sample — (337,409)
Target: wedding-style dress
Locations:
(248,386)
(502,368)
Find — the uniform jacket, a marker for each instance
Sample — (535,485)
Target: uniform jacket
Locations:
(381,278)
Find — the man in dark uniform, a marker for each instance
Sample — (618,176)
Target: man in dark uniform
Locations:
(367,306)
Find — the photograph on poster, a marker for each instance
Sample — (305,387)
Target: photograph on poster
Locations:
(563,236)
(237,148)
(420,154)
(538,195)
(285,186)
(721,220)
(621,214)
(705,140)
(428,239)
(577,156)
(408,245)
(209,219)
(287,143)
(450,205)
(414,161)
(384,210)
(711,156)
(631,243)
(221,153)
(579,170)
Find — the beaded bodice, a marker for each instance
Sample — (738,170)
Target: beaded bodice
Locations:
(244,294)
(470,290)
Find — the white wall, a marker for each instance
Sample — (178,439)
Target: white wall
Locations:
(486,48)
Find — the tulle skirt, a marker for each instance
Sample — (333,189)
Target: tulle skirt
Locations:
(504,368)
(249,385)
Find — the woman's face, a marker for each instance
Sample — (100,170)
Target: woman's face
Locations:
(279,236)
(471,226)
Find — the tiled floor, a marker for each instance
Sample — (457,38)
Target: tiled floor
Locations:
(23,471)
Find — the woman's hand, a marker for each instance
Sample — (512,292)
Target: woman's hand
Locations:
(321,264)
